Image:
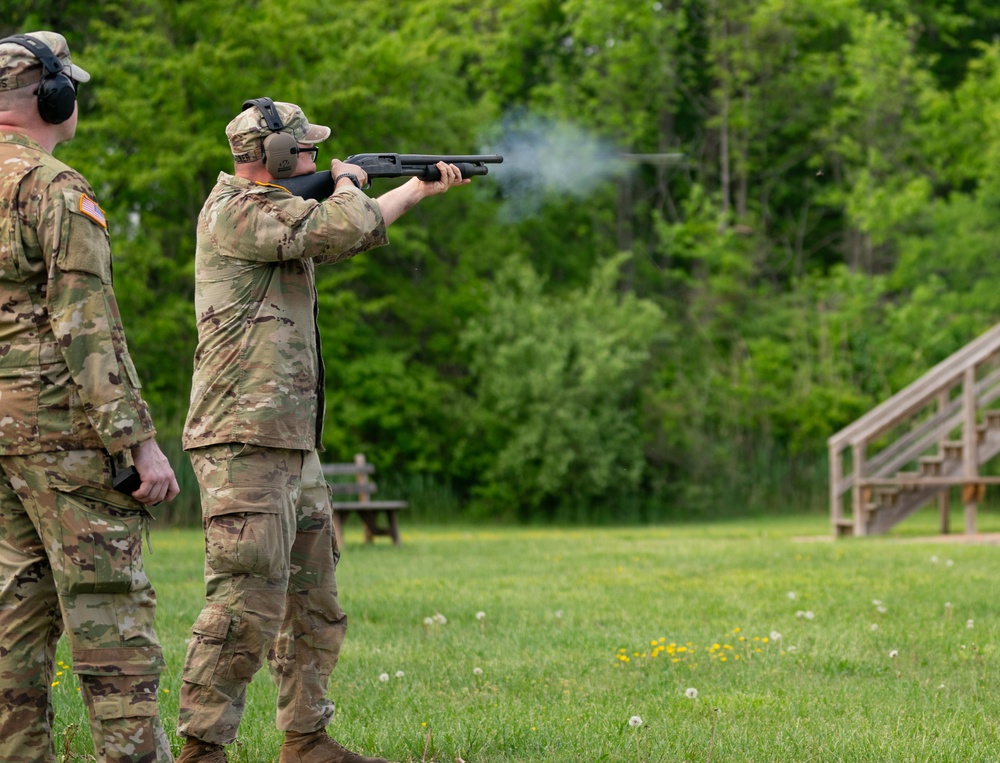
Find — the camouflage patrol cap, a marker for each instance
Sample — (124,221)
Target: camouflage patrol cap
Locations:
(247,131)
(19,67)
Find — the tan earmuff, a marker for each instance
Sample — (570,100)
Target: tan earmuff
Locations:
(280,154)
(280,148)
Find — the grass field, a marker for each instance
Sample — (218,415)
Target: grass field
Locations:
(881,649)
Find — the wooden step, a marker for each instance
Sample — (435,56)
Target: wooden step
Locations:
(930,466)
(886,496)
(952,449)
(909,476)
(844,527)
(992,416)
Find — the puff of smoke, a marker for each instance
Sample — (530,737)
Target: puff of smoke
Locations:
(545,158)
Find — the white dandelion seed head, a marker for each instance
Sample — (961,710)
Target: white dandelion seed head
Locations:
(947,605)
(791,595)
(881,610)
(969,623)
(800,614)
(810,615)
(894,653)
(775,636)
(792,648)
(480,615)
(949,563)
(558,613)
(384,677)
(934,560)
(477,671)
(874,626)
(440,619)
(428,621)
(877,602)
(691,693)
(400,674)
(635,721)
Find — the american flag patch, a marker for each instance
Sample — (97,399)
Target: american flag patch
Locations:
(89,207)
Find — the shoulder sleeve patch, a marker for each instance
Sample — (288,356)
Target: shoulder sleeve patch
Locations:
(90,208)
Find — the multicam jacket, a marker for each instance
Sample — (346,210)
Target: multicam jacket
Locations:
(66,379)
(258,368)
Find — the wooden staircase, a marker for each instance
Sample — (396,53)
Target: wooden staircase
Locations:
(918,445)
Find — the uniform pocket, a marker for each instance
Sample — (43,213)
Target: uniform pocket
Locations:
(101,540)
(208,636)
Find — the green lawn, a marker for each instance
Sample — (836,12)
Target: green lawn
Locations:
(781,636)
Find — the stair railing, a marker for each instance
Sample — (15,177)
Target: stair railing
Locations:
(933,388)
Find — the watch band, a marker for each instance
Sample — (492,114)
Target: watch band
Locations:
(350,176)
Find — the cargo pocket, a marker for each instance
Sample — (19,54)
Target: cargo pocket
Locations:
(127,728)
(101,539)
(208,637)
(243,531)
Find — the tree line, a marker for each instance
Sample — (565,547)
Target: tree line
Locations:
(723,229)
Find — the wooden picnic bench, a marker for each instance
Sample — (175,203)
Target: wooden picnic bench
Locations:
(363,488)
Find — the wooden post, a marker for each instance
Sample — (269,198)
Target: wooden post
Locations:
(970,450)
(836,475)
(361,478)
(857,494)
(944,498)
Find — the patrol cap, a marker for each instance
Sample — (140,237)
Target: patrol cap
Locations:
(247,131)
(19,67)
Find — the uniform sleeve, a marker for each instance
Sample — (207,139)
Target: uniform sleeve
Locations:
(84,317)
(284,227)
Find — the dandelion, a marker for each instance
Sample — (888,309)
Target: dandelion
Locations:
(480,615)
(874,626)
(949,563)
(894,654)
(400,674)
(383,677)
(775,636)
(969,623)
(691,693)
(800,614)
(428,621)
(881,610)
(635,721)
(809,615)
(791,595)
(877,602)
(55,683)
(558,614)
(440,619)
(934,560)
(477,671)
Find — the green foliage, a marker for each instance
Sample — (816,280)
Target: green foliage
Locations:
(680,338)
(555,383)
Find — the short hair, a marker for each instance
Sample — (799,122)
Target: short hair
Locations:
(21,99)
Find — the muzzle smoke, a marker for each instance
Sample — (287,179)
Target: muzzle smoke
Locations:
(545,159)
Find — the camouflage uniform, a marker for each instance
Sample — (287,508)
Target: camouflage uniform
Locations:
(70,546)
(253,428)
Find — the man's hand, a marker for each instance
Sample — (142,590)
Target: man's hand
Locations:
(158,480)
(450,176)
(338,167)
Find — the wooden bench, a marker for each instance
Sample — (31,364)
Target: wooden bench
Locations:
(363,488)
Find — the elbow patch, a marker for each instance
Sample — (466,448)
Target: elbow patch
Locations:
(85,245)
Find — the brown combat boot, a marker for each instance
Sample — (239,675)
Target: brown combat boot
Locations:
(197,751)
(318,747)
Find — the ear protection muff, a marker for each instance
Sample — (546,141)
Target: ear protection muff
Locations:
(280,148)
(56,91)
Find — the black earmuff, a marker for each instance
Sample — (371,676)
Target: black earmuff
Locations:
(56,91)
(280,149)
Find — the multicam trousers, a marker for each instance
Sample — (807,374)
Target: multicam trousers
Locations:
(71,559)
(271,591)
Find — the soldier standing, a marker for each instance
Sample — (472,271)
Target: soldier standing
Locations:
(254,426)
(70,408)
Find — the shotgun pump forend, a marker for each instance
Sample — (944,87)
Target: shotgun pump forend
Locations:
(320,185)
